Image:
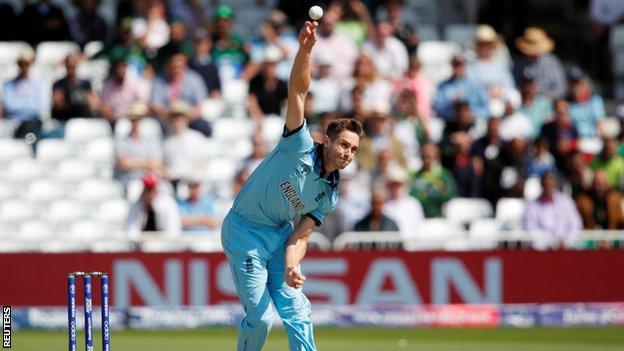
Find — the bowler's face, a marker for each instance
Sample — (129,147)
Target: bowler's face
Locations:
(343,148)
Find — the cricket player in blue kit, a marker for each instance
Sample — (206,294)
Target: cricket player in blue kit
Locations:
(298,178)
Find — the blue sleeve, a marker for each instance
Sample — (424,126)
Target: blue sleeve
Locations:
(318,215)
(298,140)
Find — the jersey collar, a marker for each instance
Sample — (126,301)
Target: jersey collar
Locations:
(319,167)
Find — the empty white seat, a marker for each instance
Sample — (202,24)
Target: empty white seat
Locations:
(113,211)
(93,47)
(484,233)
(34,230)
(234,90)
(509,213)
(220,169)
(74,170)
(53,52)
(6,127)
(436,129)
(212,109)
(435,58)
(44,190)
(148,128)
(54,149)
(83,129)
(96,190)
(101,151)
(85,230)
(462,34)
(434,233)
(23,170)
(13,149)
(17,210)
(609,127)
(64,211)
(464,210)
(11,50)
(272,128)
(230,129)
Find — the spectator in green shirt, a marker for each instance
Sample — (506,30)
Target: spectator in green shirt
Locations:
(432,185)
(229,50)
(609,161)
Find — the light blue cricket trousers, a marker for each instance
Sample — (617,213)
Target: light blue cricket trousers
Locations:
(255,254)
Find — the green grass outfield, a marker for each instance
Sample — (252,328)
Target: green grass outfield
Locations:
(364,339)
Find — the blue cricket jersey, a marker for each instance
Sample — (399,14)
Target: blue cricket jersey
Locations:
(288,183)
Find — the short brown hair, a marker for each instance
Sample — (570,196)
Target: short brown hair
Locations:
(338,125)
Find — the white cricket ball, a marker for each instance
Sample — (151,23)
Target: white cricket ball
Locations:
(315,12)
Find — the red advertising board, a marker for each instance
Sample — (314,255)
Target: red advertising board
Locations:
(358,278)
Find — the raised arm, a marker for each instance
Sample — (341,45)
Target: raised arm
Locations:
(299,81)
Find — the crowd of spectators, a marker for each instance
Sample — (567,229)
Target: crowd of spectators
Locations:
(506,118)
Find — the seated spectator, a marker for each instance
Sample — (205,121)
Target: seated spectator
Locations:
(125,48)
(179,42)
(415,82)
(375,91)
(267,93)
(325,87)
(229,50)
(376,220)
(87,25)
(515,125)
(180,83)
(432,185)
(42,21)
(586,108)
(354,201)
(387,52)
(609,161)
(23,99)
(379,137)
(410,127)
(514,171)
(487,161)
(536,47)
(541,161)
(552,219)
(135,154)
(197,212)
(120,92)
(601,206)
(183,148)
(398,15)
(343,49)
(73,97)
(400,207)
(151,29)
(203,64)
(460,87)
(154,211)
(275,32)
(258,152)
(535,106)
(561,135)
(580,176)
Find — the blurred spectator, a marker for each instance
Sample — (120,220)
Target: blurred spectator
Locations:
(515,125)
(541,161)
(404,31)
(535,106)
(333,225)
(376,220)
(379,137)
(376,91)
(514,171)
(580,175)
(487,68)
(23,98)
(410,127)
(354,20)
(229,50)
(155,210)
(120,92)
(561,135)
(340,45)
(586,108)
(191,12)
(354,201)
(459,87)
(134,153)
(355,109)
(42,21)
(552,219)
(536,47)
(197,212)
(387,52)
(184,148)
(605,15)
(601,206)
(403,209)
(73,97)
(487,161)
(325,87)
(432,185)
(258,152)
(87,25)
(125,48)
(202,63)
(275,32)
(151,29)
(180,83)
(179,42)
(611,163)
(267,93)
(415,81)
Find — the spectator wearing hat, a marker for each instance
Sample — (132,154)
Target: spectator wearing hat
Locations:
(229,50)
(536,107)
(403,209)
(536,47)
(180,83)
(552,219)
(376,220)
(343,48)
(415,82)
(432,185)
(151,29)
(586,107)
(73,97)
(387,52)
(611,163)
(154,211)
(22,99)
(197,211)
(561,135)
(135,154)
(267,93)
(120,92)
(601,206)
(202,63)
(460,87)
(275,32)
(379,137)
(182,149)
(179,42)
